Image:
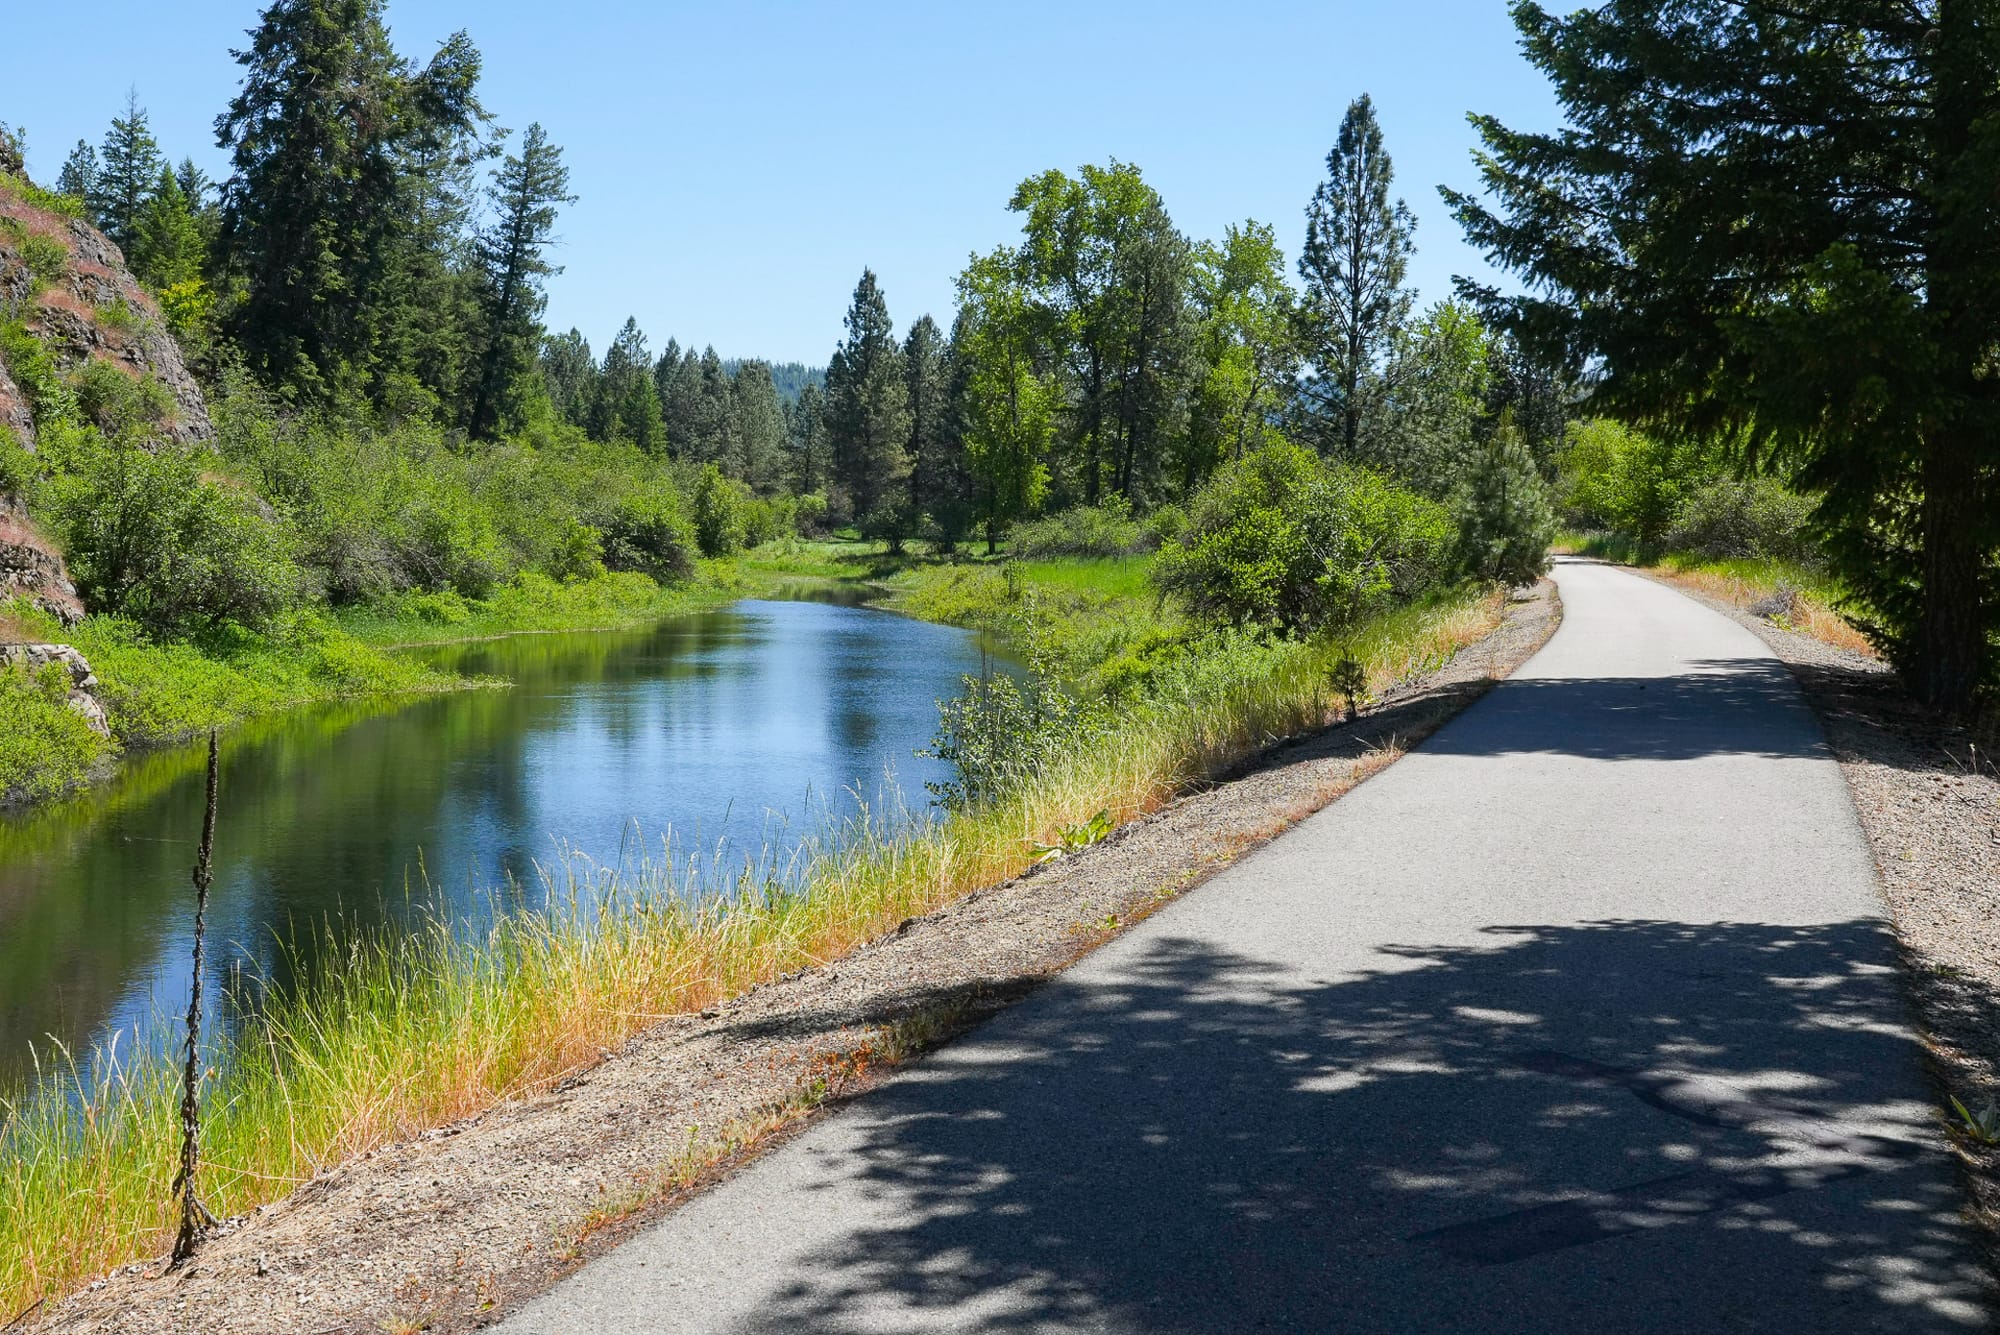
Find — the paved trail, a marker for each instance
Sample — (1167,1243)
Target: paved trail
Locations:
(1580,1017)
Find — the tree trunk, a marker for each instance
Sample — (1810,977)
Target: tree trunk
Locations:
(1951,637)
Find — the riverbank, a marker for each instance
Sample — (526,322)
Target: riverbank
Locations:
(420,1031)
(157,693)
(890,951)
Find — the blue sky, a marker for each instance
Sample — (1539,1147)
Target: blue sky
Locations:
(738,164)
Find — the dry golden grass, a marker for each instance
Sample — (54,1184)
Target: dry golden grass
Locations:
(1810,615)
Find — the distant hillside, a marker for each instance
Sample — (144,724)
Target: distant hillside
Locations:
(790,377)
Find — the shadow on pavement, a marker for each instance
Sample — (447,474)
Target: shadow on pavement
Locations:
(1720,707)
(1457,1139)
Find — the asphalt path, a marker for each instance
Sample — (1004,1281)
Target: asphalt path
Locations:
(1582,1016)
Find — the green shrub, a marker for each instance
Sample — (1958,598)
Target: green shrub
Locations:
(148,536)
(1087,530)
(1280,539)
(718,513)
(649,534)
(50,398)
(45,746)
(46,258)
(116,401)
(1744,518)
(1616,478)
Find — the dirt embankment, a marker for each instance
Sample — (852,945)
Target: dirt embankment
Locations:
(446,1232)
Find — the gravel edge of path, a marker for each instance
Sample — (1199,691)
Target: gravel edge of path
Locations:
(449,1231)
(1931,813)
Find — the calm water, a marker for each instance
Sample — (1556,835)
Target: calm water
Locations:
(743,727)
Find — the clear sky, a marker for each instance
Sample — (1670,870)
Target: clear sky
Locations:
(737,164)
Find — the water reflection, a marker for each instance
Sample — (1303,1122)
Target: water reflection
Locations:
(733,729)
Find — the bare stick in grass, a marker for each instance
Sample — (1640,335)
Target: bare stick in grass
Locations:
(195,1216)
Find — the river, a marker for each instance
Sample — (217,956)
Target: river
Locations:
(742,729)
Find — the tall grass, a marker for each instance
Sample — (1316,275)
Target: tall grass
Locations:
(413,1029)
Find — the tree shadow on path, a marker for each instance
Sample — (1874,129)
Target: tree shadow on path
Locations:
(1618,1126)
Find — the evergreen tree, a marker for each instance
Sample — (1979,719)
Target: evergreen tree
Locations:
(626,407)
(1504,521)
(714,406)
(79,173)
(527,190)
(759,429)
(810,458)
(1775,225)
(128,167)
(323,137)
(570,374)
(928,381)
(1430,420)
(868,408)
(677,380)
(194,183)
(168,247)
(1356,255)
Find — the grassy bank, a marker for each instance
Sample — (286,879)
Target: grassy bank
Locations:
(417,1030)
(159,692)
(1813,604)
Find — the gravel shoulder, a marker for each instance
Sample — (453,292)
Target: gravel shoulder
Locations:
(451,1230)
(1929,800)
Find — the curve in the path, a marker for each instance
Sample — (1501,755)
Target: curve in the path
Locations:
(1582,1016)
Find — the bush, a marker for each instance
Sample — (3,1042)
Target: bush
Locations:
(1737,518)
(45,746)
(648,533)
(1617,478)
(1280,539)
(148,536)
(998,732)
(718,513)
(809,514)
(1087,530)
(891,522)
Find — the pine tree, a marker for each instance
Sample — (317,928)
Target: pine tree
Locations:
(714,437)
(128,167)
(570,374)
(168,247)
(1356,255)
(937,473)
(1775,225)
(868,408)
(626,407)
(78,178)
(759,427)
(194,183)
(809,462)
(1504,520)
(335,144)
(527,190)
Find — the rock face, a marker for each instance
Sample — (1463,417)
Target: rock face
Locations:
(30,568)
(93,308)
(66,284)
(82,681)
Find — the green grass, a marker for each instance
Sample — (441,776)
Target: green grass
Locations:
(417,1030)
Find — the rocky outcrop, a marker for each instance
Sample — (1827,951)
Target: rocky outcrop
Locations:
(65,283)
(82,681)
(91,307)
(30,568)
